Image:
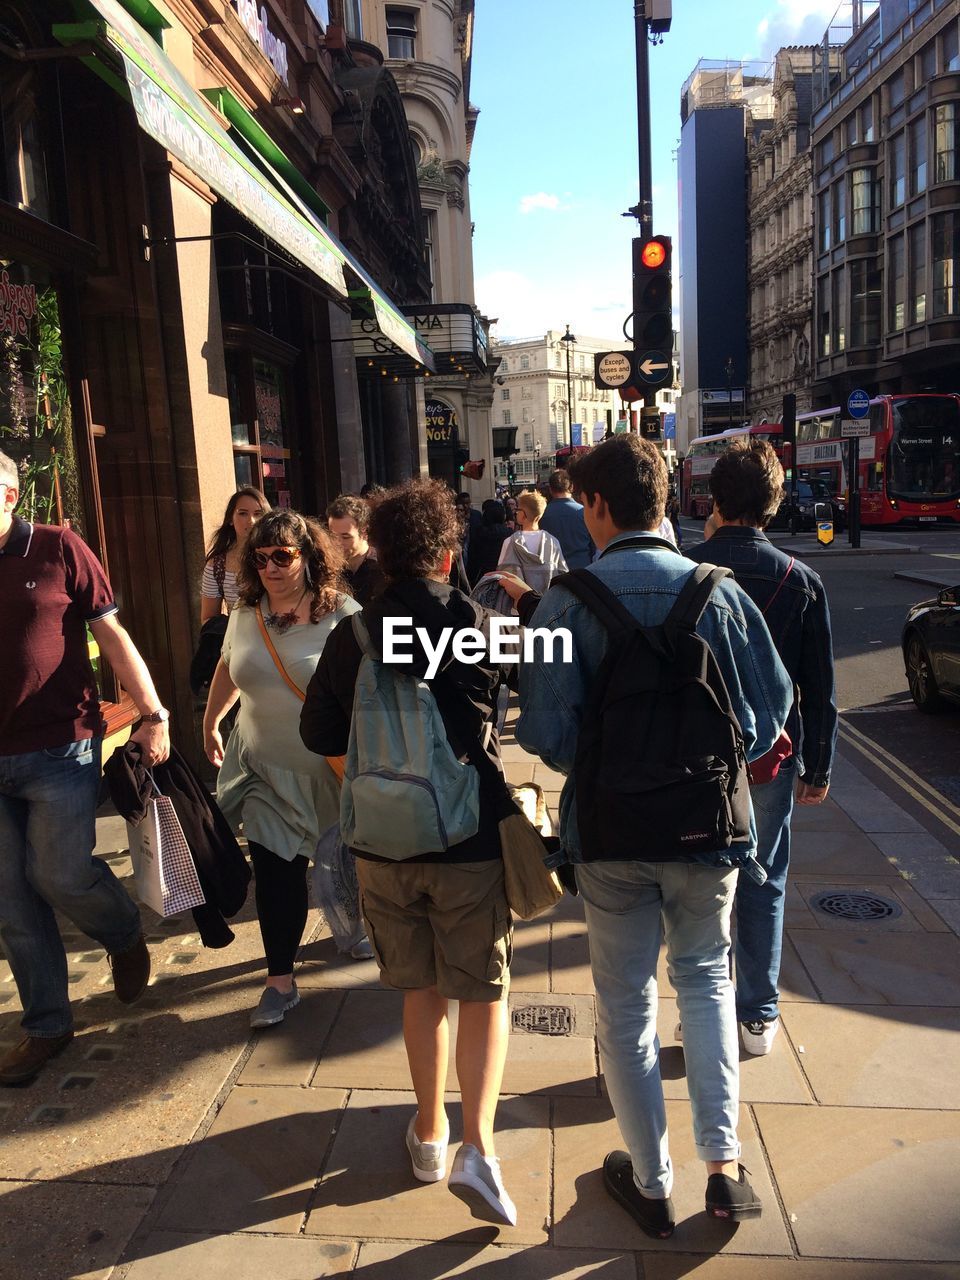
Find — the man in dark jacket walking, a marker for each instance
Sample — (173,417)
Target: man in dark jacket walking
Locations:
(747,487)
(564,519)
(439,922)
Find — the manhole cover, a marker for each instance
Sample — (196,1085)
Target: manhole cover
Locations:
(850,905)
(543,1019)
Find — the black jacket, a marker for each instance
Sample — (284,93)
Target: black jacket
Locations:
(221,867)
(366,581)
(466,694)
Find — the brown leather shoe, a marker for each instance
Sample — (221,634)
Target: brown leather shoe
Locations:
(26,1060)
(131,972)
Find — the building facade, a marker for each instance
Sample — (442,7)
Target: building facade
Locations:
(781,243)
(211,233)
(886,165)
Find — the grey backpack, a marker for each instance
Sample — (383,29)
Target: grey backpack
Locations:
(404,791)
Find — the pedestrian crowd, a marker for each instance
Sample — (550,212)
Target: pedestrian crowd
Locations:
(693,707)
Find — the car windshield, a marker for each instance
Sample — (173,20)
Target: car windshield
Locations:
(923,458)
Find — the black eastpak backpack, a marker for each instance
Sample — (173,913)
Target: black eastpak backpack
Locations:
(660,772)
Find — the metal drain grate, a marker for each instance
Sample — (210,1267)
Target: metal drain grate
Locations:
(850,905)
(543,1019)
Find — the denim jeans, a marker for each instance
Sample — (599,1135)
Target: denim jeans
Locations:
(48,802)
(759,907)
(625,903)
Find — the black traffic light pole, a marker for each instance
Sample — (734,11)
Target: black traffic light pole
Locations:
(644,206)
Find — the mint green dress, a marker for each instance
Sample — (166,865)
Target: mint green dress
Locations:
(283,794)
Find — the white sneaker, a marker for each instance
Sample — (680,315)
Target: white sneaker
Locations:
(429,1159)
(758,1037)
(475,1179)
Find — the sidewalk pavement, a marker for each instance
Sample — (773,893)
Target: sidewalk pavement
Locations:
(167,1142)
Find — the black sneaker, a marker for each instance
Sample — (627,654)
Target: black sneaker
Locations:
(732,1199)
(654,1217)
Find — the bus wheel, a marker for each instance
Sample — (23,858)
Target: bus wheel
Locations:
(923,687)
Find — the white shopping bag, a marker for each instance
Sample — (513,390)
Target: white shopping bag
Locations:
(163,867)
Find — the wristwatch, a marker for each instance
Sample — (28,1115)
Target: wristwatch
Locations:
(156,717)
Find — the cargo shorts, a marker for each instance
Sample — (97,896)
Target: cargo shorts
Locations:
(439,924)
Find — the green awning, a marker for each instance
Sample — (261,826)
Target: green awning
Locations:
(173,113)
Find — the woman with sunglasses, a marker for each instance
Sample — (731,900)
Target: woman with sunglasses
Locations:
(290,599)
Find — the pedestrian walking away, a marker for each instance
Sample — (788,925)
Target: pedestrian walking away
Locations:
(564,519)
(435,908)
(284,796)
(633,889)
(747,487)
(51,729)
(532,554)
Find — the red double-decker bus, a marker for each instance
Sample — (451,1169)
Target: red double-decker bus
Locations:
(695,499)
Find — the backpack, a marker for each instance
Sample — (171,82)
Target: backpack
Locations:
(404,790)
(660,773)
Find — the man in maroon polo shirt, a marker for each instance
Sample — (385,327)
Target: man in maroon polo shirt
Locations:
(52,588)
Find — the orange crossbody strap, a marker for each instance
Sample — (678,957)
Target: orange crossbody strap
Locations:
(336,763)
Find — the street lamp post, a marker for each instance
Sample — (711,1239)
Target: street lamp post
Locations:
(536,463)
(728,370)
(569,339)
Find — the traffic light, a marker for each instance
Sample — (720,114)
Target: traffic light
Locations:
(652,311)
(461,457)
(474,470)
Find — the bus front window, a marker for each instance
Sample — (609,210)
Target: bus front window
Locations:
(925,451)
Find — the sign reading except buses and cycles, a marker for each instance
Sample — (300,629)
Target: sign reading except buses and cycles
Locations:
(258,28)
(612,368)
(858,404)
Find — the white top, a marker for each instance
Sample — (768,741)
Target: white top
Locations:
(210,590)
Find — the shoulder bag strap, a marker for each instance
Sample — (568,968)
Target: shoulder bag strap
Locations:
(598,598)
(793,561)
(276,657)
(693,599)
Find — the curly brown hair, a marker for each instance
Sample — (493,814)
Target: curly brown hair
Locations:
(347,507)
(412,527)
(322,559)
(747,482)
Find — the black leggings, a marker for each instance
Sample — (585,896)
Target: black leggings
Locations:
(281,906)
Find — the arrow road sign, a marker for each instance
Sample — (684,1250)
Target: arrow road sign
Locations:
(652,367)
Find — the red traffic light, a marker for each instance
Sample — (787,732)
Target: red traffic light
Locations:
(653,254)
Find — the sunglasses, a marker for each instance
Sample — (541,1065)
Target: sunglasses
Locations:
(283,557)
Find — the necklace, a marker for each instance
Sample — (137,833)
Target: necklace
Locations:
(284,621)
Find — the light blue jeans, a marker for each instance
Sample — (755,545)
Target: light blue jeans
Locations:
(48,804)
(759,907)
(625,903)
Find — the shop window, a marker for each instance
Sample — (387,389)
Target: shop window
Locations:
(918,274)
(897,278)
(866,291)
(401,34)
(259,419)
(918,156)
(946,253)
(898,171)
(945,143)
(865,201)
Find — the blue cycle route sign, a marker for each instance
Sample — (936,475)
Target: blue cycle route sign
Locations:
(858,404)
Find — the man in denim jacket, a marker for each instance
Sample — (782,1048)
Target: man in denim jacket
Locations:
(747,486)
(623,486)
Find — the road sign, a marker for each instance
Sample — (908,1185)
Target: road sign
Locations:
(850,428)
(612,368)
(652,367)
(858,404)
(621,427)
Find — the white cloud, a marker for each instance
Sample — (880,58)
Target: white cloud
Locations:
(594,305)
(795,22)
(763,26)
(542,200)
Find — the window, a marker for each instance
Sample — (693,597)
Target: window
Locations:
(895,90)
(946,252)
(865,201)
(853,136)
(823,314)
(525,415)
(524,362)
(352,19)
(429,237)
(898,177)
(918,274)
(525,393)
(527,441)
(505,393)
(840,309)
(866,285)
(897,282)
(401,33)
(558,358)
(918,156)
(507,417)
(866,121)
(825,220)
(504,365)
(950,49)
(928,62)
(839,213)
(945,143)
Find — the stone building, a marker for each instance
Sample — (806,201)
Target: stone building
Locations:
(781,243)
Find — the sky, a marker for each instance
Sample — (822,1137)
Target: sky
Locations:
(554,159)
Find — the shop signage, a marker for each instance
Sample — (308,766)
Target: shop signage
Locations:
(18,306)
(442,425)
(734,395)
(257,24)
(454,334)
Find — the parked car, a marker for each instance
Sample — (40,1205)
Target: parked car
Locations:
(810,495)
(931,650)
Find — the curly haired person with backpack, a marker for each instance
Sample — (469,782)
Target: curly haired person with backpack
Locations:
(674,684)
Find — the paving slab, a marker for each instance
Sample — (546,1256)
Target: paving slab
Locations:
(320,964)
(688,1267)
(867,1183)
(163,1254)
(257,1165)
(368,1189)
(776,1077)
(530,966)
(924,862)
(53,1230)
(910,914)
(842,854)
(552,1064)
(586,1217)
(288,1053)
(402,1261)
(866,804)
(570,957)
(884,1056)
(821,817)
(796,984)
(881,967)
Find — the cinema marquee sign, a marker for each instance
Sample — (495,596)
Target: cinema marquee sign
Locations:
(455,335)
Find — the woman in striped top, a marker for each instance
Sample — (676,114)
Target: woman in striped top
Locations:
(219,584)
